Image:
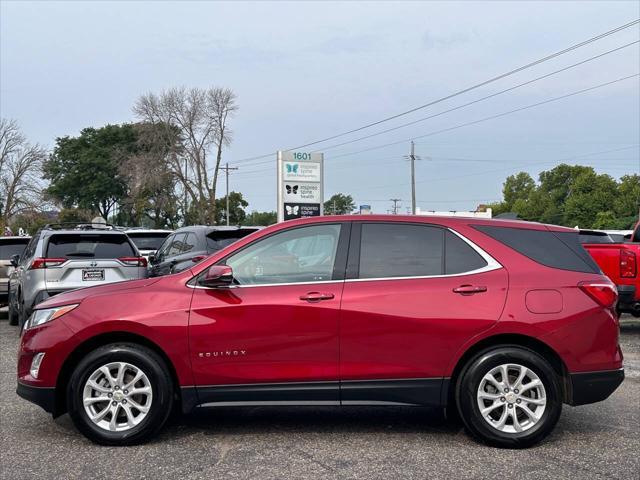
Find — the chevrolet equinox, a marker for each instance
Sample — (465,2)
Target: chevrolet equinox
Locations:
(499,321)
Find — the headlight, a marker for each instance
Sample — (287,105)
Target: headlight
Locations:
(38,317)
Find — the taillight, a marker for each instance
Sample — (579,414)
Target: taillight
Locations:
(604,294)
(134,261)
(627,263)
(46,262)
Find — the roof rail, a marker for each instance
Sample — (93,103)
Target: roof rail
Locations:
(79,226)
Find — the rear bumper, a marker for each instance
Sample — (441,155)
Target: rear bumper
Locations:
(627,301)
(44,397)
(591,387)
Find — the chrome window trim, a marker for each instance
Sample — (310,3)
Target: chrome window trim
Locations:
(492,264)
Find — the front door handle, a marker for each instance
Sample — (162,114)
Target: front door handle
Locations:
(314,297)
(469,289)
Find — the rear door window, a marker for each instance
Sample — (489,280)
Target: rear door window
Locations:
(460,257)
(401,250)
(89,245)
(561,250)
(11,247)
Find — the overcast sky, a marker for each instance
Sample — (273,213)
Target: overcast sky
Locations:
(305,71)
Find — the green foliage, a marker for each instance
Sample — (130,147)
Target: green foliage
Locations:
(237,204)
(573,195)
(30,222)
(84,171)
(339,204)
(74,215)
(261,218)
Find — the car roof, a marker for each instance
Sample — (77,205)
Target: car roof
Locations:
(434,219)
(80,231)
(15,237)
(216,228)
(146,230)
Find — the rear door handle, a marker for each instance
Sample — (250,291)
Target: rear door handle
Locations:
(469,289)
(313,297)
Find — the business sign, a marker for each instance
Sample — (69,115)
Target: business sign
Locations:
(300,185)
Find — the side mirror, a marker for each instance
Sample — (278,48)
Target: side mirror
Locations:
(15,260)
(217,276)
(152,258)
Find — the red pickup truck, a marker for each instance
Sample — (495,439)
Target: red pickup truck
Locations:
(619,262)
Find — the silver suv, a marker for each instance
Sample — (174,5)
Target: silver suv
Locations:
(61,257)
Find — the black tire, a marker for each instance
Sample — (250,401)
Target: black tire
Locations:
(22,318)
(158,375)
(469,383)
(11,314)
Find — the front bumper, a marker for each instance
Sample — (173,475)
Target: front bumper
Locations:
(591,387)
(44,397)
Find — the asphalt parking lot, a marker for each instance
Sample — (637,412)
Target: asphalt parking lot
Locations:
(591,442)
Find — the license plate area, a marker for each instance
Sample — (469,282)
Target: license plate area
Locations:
(93,275)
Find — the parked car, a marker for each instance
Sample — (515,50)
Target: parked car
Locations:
(63,257)
(148,241)
(9,246)
(619,262)
(189,245)
(503,321)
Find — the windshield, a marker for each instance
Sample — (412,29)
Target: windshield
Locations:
(148,241)
(81,245)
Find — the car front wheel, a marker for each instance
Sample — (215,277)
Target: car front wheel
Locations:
(509,397)
(120,394)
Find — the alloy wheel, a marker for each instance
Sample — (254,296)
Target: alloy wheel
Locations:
(117,396)
(511,398)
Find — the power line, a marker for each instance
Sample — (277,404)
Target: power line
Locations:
(492,117)
(324,149)
(460,92)
(558,160)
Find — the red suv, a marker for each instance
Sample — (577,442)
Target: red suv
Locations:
(503,321)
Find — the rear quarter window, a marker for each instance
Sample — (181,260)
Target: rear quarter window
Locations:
(89,245)
(561,250)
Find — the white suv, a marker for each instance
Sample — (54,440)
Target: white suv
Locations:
(63,257)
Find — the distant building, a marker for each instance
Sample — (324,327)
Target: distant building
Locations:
(454,213)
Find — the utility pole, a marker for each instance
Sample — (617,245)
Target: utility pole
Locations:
(395,207)
(412,160)
(226,169)
(412,156)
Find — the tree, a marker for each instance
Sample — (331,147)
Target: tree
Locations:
(201,116)
(573,195)
(85,171)
(149,182)
(517,187)
(339,204)
(237,204)
(261,218)
(20,172)
(590,194)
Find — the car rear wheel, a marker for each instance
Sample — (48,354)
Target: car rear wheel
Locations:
(120,394)
(509,397)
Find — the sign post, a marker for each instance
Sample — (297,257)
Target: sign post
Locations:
(300,185)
